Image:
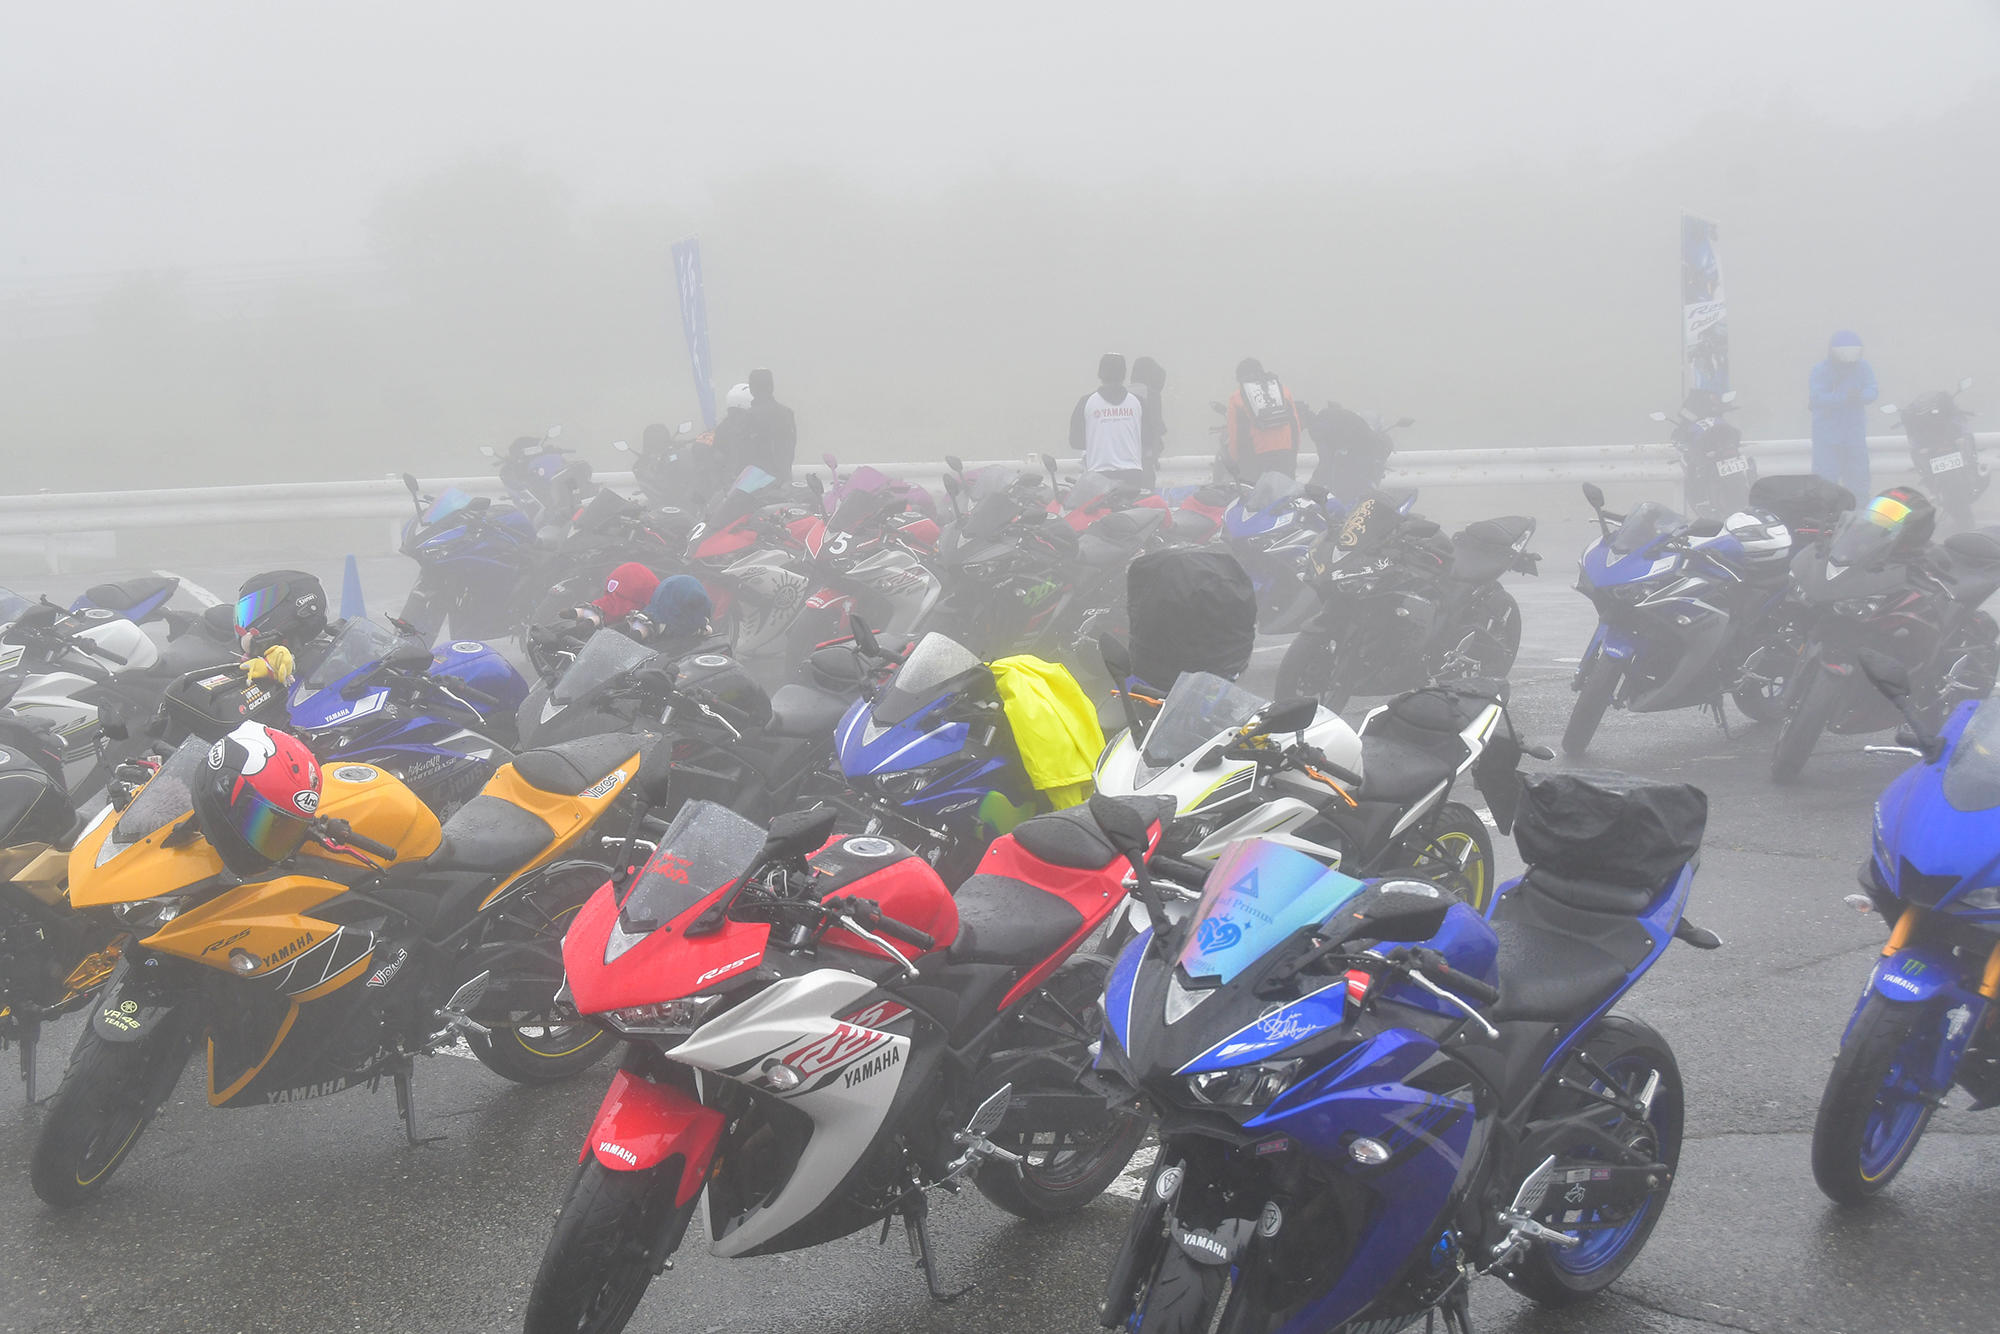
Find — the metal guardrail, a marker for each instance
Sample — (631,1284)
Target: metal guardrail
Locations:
(67,513)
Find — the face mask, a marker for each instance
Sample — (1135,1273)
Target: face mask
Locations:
(1847,354)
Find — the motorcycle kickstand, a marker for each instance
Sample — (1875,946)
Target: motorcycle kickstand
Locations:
(1721,720)
(28,1040)
(406,1107)
(914,1215)
(1456,1308)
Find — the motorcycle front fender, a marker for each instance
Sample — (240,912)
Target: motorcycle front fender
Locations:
(642,1123)
(120,1016)
(1915,976)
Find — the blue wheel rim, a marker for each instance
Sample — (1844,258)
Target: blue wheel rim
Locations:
(1599,1247)
(1898,1116)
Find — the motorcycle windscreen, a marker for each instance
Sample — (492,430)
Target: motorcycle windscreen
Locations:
(936,661)
(1647,522)
(1868,535)
(1972,775)
(707,846)
(450,502)
(1199,706)
(607,655)
(12,604)
(361,643)
(1087,488)
(1272,489)
(1257,896)
(165,798)
(994,504)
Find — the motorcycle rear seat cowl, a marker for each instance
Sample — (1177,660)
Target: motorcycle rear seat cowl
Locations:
(131,592)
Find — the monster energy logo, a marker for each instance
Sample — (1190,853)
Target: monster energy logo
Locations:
(1039,593)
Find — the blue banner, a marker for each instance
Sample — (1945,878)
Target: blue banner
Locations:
(1704,316)
(694,322)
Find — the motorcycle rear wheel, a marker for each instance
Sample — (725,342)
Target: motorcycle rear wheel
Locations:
(552,1052)
(1870,1117)
(1460,851)
(1766,676)
(1815,709)
(596,1270)
(1311,669)
(1593,697)
(1072,1169)
(1629,1051)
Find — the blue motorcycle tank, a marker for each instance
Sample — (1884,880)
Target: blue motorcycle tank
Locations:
(482,667)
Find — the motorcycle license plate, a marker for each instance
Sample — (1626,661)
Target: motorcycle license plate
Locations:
(1947,462)
(1730,467)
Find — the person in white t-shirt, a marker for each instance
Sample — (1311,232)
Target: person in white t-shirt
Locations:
(1109,425)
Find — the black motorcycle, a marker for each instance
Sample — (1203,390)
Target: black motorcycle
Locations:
(1716,476)
(1943,450)
(1402,605)
(1876,583)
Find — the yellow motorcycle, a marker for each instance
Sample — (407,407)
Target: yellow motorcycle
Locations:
(335,967)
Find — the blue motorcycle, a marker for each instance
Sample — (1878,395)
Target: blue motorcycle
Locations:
(1687,612)
(473,557)
(930,759)
(1369,1093)
(1270,529)
(1925,1021)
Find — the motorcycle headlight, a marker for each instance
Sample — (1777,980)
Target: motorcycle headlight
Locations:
(666,1019)
(1244,1086)
(152,914)
(1979,900)
(1860,606)
(909,782)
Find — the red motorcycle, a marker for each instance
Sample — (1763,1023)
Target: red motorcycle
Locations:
(819,1035)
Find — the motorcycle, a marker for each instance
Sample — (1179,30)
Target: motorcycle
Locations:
(1401,606)
(1869,586)
(749,552)
(473,558)
(544,483)
(1370,803)
(1686,613)
(1943,450)
(337,967)
(1369,1093)
(1925,1022)
(865,554)
(819,1036)
(1715,475)
(1271,530)
(1354,449)
(52,958)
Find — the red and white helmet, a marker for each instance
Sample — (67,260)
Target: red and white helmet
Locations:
(256,797)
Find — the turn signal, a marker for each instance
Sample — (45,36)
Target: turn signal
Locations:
(243,961)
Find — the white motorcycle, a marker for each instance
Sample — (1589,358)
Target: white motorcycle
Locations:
(1370,802)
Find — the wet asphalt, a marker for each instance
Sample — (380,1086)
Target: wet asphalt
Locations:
(317,1217)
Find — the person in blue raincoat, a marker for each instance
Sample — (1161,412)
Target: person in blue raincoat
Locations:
(1839,391)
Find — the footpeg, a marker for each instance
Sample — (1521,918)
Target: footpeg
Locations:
(456,1012)
(978,1147)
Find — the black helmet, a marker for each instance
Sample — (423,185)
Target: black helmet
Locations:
(279,607)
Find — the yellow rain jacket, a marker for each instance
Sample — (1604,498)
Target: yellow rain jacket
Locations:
(1055,727)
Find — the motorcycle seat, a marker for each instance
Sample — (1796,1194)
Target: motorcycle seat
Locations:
(1071,838)
(1004,920)
(801,711)
(568,768)
(1397,771)
(488,834)
(127,593)
(1550,976)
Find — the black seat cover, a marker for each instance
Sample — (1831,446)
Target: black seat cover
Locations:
(801,711)
(1396,771)
(1004,920)
(569,767)
(488,834)
(1969,563)
(127,593)
(1070,837)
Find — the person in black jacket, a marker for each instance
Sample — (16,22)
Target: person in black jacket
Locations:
(1149,383)
(774,432)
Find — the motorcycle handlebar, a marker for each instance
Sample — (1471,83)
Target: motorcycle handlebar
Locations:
(870,915)
(339,831)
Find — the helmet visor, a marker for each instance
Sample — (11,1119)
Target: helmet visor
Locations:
(268,829)
(253,605)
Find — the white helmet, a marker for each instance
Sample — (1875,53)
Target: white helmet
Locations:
(739,396)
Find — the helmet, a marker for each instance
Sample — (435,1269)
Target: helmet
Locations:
(279,607)
(739,396)
(627,589)
(255,797)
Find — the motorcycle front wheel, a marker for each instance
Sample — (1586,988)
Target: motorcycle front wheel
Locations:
(1873,1111)
(1312,669)
(1766,675)
(597,1267)
(1808,718)
(1593,697)
(107,1099)
(1182,1296)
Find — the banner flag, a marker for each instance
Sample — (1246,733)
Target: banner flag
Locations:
(694,322)
(1704,315)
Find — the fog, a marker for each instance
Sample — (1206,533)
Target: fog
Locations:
(242,242)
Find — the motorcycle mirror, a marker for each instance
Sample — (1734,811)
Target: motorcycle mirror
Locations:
(1394,910)
(1049,462)
(796,833)
(1124,827)
(1404,421)
(409,657)
(552,433)
(1657,415)
(1887,674)
(1964,384)
(951,486)
(864,638)
(1292,715)
(622,446)
(814,485)
(480,503)
(1728,396)
(1220,409)
(410,485)
(684,428)
(488,451)
(1705,527)
(832,463)
(955,463)
(1594,493)
(1888,409)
